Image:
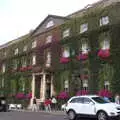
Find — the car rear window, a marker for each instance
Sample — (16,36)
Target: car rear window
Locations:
(100,100)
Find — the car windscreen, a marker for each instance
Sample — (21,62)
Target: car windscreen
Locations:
(100,100)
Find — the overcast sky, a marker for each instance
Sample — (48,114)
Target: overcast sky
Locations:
(18,17)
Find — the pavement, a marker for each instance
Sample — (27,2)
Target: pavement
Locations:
(41,111)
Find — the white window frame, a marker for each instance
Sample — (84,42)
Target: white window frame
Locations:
(50,24)
(34,44)
(48,59)
(24,63)
(16,51)
(25,48)
(83,27)
(84,48)
(107,84)
(85,83)
(33,59)
(49,39)
(104,20)
(3,68)
(106,44)
(66,33)
(66,52)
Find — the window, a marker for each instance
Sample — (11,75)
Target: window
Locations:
(3,81)
(15,63)
(49,39)
(24,63)
(104,20)
(77,100)
(87,100)
(50,24)
(83,27)
(66,33)
(25,48)
(66,85)
(66,52)
(48,59)
(5,53)
(85,84)
(106,44)
(16,51)
(3,68)
(106,85)
(34,44)
(33,59)
(84,48)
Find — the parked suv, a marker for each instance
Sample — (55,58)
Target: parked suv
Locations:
(91,106)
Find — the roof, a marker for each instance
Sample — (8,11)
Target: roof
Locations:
(14,41)
(54,16)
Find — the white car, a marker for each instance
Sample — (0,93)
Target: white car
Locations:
(91,106)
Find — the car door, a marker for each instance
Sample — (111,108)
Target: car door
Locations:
(88,107)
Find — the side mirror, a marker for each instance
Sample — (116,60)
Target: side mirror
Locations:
(92,103)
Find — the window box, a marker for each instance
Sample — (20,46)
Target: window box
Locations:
(64,60)
(82,56)
(104,53)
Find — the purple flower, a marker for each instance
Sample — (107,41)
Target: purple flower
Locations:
(63,95)
(20,96)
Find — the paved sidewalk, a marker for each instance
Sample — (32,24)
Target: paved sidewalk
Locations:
(42,111)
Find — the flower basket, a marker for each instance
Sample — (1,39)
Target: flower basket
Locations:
(63,95)
(105,93)
(104,53)
(20,95)
(82,92)
(29,96)
(29,68)
(64,60)
(82,56)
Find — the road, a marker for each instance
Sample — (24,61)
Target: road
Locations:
(32,116)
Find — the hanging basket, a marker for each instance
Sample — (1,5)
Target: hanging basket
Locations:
(64,60)
(104,53)
(82,56)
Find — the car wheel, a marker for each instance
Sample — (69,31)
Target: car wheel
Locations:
(102,116)
(71,115)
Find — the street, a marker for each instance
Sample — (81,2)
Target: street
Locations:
(33,116)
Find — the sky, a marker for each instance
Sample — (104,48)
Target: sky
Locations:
(18,17)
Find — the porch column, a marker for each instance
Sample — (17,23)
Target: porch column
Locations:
(52,87)
(43,87)
(33,88)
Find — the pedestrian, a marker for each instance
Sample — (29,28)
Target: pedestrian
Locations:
(53,104)
(34,107)
(117,99)
(47,104)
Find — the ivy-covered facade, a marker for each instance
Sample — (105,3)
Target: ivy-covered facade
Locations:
(79,52)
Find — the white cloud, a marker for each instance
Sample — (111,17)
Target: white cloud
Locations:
(17,17)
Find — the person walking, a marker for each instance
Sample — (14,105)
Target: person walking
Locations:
(117,99)
(53,103)
(47,105)
(34,107)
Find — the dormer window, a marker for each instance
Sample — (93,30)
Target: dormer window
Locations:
(83,27)
(104,20)
(66,33)
(50,24)
(16,51)
(25,48)
(34,44)
(49,39)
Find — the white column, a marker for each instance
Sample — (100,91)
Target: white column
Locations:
(44,86)
(52,87)
(33,88)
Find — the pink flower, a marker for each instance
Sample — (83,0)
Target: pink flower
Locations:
(63,95)
(20,96)
(64,60)
(29,96)
(104,53)
(82,56)
(105,93)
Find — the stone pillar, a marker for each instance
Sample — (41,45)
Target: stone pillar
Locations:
(43,87)
(33,88)
(52,87)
